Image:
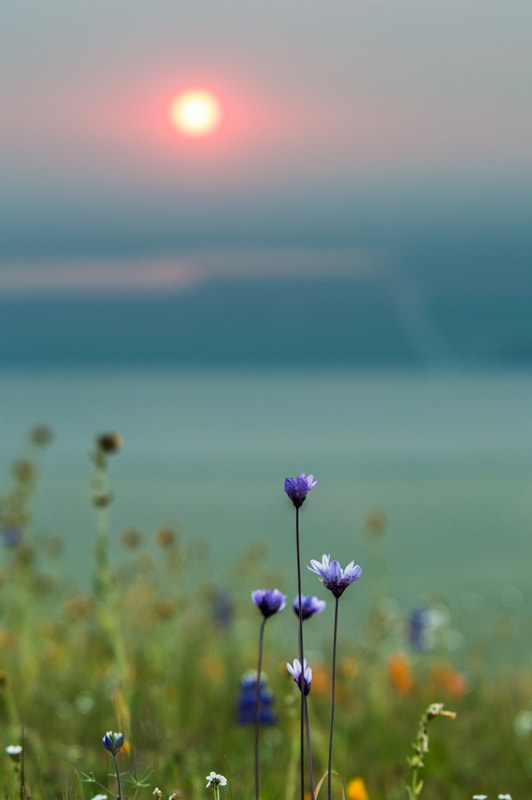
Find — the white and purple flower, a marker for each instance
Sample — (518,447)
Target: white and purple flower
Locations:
(303,677)
(310,605)
(113,742)
(333,576)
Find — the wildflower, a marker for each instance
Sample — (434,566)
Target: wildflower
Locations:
(523,723)
(480,797)
(113,742)
(504,797)
(336,580)
(247,701)
(356,790)
(417,624)
(109,442)
(310,605)
(215,779)
(99,797)
(400,674)
(298,488)
(222,608)
(269,601)
(12,535)
(303,677)
(166,537)
(131,539)
(41,435)
(333,576)
(14,751)
(376,522)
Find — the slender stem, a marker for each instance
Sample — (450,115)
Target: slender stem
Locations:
(118,784)
(309,749)
(257,709)
(333,690)
(301,658)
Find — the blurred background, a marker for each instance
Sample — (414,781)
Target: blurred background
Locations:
(336,281)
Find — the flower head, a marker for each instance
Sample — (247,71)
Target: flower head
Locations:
(356,790)
(14,751)
(333,576)
(113,742)
(298,488)
(303,677)
(310,605)
(269,601)
(247,701)
(215,779)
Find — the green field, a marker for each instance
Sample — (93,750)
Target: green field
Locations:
(157,645)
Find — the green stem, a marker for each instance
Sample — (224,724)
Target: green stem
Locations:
(257,709)
(301,658)
(118,784)
(333,691)
(309,748)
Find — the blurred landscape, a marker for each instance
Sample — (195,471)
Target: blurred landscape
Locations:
(336,280)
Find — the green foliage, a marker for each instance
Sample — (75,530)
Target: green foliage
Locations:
(149,657)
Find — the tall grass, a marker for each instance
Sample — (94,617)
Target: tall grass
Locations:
(157,651)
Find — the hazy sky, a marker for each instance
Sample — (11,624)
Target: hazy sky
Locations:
(348,125)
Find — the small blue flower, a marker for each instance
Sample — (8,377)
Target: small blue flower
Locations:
(417,628)
(269,601)
(247,701)
(310,605)
(303,677)
(12,535)
(113,742)
(298,488)
(333,576)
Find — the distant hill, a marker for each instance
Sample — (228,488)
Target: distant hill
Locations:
(278,322)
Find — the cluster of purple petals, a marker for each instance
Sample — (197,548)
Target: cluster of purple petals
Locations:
(333,576)
(298,488)
(269,601)
(310,605)
(247,702)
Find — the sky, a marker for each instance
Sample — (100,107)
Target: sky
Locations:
(350,126)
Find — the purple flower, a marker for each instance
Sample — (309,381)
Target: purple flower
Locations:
(113,742)
(297,488)
(268,601)
(303,677)
(310,605)
(247,701)
(333,576)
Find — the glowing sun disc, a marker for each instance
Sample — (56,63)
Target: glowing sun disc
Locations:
(195,113)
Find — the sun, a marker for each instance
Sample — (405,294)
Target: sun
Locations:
(195,113)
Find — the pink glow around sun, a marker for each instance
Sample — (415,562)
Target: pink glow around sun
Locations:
(195,113)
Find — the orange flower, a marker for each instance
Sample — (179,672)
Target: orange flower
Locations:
(320,679)
(444,676)
(356,790)
(400,674)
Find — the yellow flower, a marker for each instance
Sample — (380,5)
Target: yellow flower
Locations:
(356,790)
